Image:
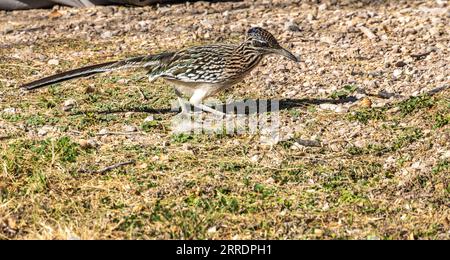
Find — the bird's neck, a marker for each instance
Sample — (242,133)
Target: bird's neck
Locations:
(245,48)
(247,56)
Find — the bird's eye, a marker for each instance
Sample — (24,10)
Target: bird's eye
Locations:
(257,43)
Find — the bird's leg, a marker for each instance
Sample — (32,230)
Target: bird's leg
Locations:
(184,110)
(196,99)
(210,110)
(182,105)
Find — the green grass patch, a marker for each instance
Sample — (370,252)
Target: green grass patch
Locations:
(415,103)
(343,93)
(442,166)
(27,155)
(367,114)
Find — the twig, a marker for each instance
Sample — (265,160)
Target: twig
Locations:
(142,94)
(114,166)
(4,137)
(118,133)
(419,56)
(367,32)
(438,89)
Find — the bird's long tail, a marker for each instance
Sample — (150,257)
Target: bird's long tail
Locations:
(137,62)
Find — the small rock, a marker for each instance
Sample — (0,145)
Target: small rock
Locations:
(8,29)
(416,165)
(103,132)
(292,26)
(69,104)
(296,146)
(212,229)
(360,143)
(365,103)
(107,34)
(142,166)
(53,62)
(446,155)
(44,130)
(150,118)
(270,180)
(318,232)
(323,7)
(10,110)
(327,39)
(129,128)
(400,64)
(129,114)
(442,3)
(123,81)
(83,144)
(54,14)
(360,95)
(369,34)
(397,73)
(254,158)
(328,106)
(89,89)
(87,144)
(307,143)
(310,17)
(237,28)
(341,109)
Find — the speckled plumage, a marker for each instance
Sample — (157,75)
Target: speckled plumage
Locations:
(197,72)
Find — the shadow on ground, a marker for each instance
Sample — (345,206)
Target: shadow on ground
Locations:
(247,107)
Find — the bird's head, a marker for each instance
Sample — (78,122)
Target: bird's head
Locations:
(264,42)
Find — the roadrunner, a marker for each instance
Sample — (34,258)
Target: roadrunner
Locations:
(196,72)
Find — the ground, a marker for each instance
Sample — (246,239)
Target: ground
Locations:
(362,152)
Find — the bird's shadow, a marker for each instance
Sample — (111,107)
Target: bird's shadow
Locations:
(241,107)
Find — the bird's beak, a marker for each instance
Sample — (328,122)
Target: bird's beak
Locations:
(287,54)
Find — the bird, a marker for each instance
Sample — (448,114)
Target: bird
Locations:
(196,72)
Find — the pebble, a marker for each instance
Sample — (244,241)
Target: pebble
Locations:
(8,29)
(106,35)
(45,130)
(53,62)
(9,110)
(400,64)
(89,89)
(341,109)
(212,229)
(292,26)
(397,73)
(88,144)
(69,105)
(365,103)
(103,131)
(254,158)
(323,7)
(149,118)
(129,128)
(123,81)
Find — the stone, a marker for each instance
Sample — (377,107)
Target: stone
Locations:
(69,105)
(53,62)
(129,128)
(397,73)
(9,110)
(400,64)
(292,26)
(149,118)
